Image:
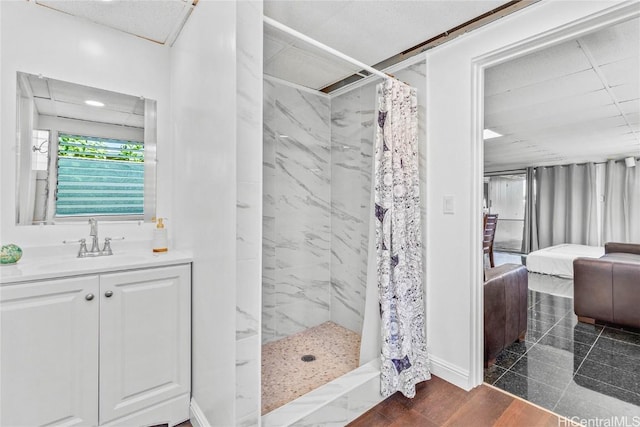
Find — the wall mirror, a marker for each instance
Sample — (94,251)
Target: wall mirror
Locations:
(83,152)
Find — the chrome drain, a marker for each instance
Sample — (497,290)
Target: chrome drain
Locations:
(308,358)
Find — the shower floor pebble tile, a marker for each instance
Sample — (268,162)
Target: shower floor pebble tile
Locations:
(285,377)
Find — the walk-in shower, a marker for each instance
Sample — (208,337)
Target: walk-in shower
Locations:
(318,162)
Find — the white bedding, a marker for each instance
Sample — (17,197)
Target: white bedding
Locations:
(558,260)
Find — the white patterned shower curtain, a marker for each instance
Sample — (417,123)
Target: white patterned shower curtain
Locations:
(398,241)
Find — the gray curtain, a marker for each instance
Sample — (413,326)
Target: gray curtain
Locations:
(566,205)
(530,231)
(621,222)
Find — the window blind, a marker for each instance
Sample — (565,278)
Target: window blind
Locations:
(99,176)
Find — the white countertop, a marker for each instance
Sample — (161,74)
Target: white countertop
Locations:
(51,263)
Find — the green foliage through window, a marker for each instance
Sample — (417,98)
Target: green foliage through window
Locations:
(99,148)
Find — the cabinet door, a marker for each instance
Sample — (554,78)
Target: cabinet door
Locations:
(49,345)
(145,340)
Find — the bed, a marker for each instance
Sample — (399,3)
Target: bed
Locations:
(558,260)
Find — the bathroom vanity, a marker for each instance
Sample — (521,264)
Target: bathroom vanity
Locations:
(104,341)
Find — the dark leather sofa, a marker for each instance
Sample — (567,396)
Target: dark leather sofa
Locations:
(607,289)
(505,308)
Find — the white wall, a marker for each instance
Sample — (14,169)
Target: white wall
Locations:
(38,40)
(451,253)
(203,98)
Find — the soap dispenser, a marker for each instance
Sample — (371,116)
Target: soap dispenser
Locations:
(160,243)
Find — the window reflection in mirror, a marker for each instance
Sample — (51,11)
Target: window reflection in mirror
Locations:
(83,152)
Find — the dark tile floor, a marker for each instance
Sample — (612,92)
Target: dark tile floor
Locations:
(571,368)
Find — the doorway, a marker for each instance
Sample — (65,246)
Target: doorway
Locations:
(560,359)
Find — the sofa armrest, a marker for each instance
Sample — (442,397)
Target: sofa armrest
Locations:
(627,248)
(593,288)
(505,307)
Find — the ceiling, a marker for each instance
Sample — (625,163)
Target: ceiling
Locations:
(159,20)
(368,31)
(67,100)
(575,102)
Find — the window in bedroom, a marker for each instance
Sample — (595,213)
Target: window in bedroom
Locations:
(506,196)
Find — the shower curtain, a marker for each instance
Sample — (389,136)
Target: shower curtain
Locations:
(398,242)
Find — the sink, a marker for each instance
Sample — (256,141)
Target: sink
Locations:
(73,264)
(51,263)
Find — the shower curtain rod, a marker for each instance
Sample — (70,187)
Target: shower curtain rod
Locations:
(273,23)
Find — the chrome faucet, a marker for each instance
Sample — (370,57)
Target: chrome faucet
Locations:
(95,251)
(95,246)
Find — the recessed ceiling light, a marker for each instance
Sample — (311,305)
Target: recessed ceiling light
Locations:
(94,103)
(488,134)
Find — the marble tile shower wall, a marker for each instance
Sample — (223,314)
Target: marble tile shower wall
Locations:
(351,162)
(248,210)
(352,120)
(296,211)
(317,167)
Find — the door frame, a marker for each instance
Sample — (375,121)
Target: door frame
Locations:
(608,17)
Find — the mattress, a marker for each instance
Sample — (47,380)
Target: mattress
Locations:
(558,260)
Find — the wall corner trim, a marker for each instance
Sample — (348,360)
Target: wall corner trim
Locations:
(450,373)
(197,416)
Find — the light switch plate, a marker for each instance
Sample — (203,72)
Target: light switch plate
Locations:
(449,205)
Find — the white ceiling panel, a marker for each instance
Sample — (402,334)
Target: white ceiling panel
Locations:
(304,16)
(306,67)
(563,87)
(394,25)
(621,72)
(627,92)
(574,145)
(369,31)
(81,112)
(157,20)
(67,100)
(611,125)
(573,119)
(615,43)
(71,93)
(516,122)
(633,119)
(630,107)
(542,66)
(575,102)
(499,109)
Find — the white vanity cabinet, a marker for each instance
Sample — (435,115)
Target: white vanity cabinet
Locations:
(104,349)
(145,340)
(49,352)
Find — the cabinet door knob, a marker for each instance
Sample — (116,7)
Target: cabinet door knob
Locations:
(89,297)
(108,294)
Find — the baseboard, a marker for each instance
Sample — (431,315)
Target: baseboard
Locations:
(197,416)
(450,373)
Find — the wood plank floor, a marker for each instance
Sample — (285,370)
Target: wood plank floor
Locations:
(438,403)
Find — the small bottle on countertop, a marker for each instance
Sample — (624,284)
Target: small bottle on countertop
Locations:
(160,243)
